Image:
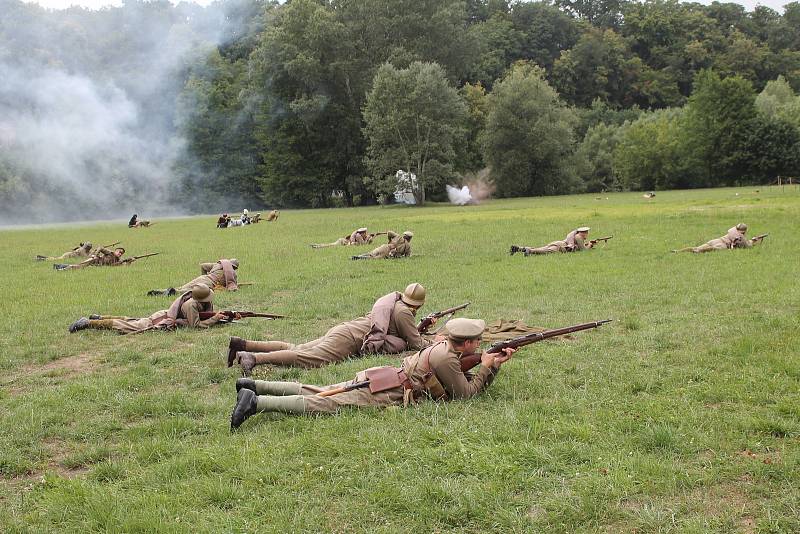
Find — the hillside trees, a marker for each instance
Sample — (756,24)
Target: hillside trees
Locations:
(414,119)
(528,139)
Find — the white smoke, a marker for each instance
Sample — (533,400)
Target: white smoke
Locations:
(88,132)
(457,196)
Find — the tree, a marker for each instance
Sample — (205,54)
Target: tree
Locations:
(477,108)
(773,146)
(595,157)
(778,101)
(716,128)
(649,153)
(413,121)
(528,140)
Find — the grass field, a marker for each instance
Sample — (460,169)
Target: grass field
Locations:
(683,415)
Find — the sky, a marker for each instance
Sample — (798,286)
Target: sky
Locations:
(777,5)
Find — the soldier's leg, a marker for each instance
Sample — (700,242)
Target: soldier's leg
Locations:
(539,250)
(266,346)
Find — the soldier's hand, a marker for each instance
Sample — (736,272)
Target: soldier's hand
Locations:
(506,355)
(219,316)
(237,316)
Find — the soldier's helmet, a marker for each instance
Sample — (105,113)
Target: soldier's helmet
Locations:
(234,263)
(202,293)
(414,295)
(408,234)
(245,212)
(87,245)
(742,227)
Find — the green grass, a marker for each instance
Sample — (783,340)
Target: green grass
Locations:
(683,415)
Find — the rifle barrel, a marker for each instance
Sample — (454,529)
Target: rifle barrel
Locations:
(541,336)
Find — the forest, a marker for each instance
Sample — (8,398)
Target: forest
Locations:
(319,103)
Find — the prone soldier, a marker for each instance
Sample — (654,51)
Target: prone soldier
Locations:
(272,216)
(219,275)
(184,311)
(432,373)
(575,241)
(399,246)
(388,328)
(81,251)
(734,238)
(100,257)
(357,237)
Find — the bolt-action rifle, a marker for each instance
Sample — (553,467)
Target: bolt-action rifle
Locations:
(429,319)
(603,239)
(470,361)
(134,258)
(232,315)
(112,244)
(760,237)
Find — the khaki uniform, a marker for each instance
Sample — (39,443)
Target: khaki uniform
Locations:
(272,216)
(101,257)
(77,252)
(357,238)
(339,343)
(397,247)
(342,241)
(440,360)
(571,243)
(188,316)
(213,277)
(402,248)
(732,239)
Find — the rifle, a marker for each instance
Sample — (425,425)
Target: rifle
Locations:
(376,234)
(134,258)
(348,387)
(759,237)
(231,315)
(603,239)
(428,320)
(112,245)
(470,361)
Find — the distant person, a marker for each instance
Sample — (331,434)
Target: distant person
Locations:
(649,195)
(734,238)
(399,246)
(135,222)
(359,236)
(245,217)
(219,275)
(433,373)
(81,251)
(272,216)
(223,221)
(575,241)
(184,311)
(388,328)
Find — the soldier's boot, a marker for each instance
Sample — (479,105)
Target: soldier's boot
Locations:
(246,405)
(60,266)
(235,345)
(247,361)
(359,258)
(80,324)
(526,251)
(95,317)
(264,387)
(172,291)
(156,292)
(514,249)
(39,257)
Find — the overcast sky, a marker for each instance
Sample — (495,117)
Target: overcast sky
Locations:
(95,4)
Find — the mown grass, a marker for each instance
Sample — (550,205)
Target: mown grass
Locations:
(681,416)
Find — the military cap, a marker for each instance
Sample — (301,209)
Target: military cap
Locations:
(120,248)
(583,229)
(408,233)
(234,263)
(87,244)
(202,293)
(362,230)
(461,328)
(245,212)
(414,295)
(742,227)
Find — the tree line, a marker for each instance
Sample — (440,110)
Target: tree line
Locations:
(319,102)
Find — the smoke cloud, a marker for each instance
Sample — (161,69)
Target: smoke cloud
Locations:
(477,187)
(87,107)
